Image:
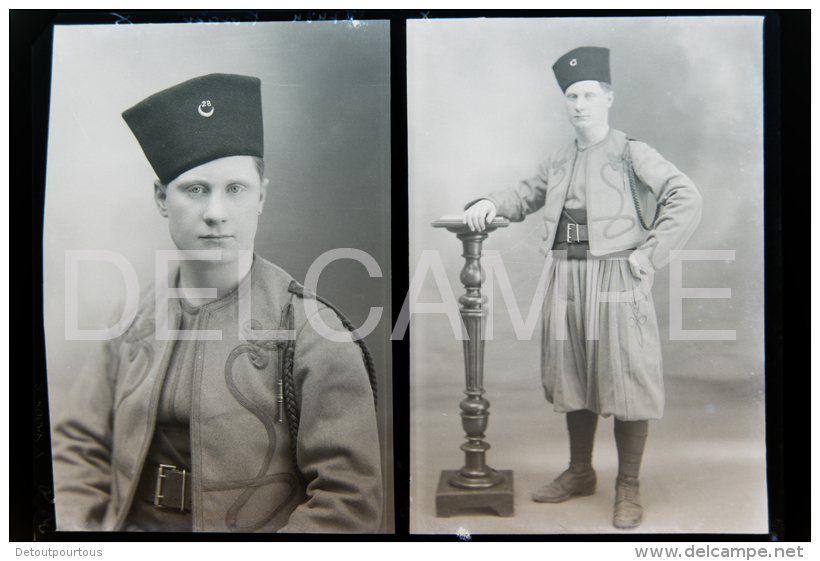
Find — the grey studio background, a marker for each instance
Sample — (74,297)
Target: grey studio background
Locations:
(483,111)
(326,107)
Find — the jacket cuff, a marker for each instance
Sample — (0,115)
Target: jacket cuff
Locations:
(474,201)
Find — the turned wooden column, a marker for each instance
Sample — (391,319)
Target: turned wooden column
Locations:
(475,485)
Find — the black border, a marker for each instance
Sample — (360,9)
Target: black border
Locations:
(789,403)
(787,179)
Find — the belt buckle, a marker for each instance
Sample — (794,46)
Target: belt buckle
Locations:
(569,234)
(160,476)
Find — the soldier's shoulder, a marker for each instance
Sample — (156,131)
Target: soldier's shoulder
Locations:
(272,276)
(632,140)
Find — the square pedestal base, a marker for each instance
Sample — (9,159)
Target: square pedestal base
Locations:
(450,500)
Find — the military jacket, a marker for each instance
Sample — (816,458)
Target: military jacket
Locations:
(244,478)
(612,216)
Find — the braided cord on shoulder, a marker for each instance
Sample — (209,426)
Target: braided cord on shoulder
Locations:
(632,181)
(288,384)
(291,411)
(366,356)
(299,290)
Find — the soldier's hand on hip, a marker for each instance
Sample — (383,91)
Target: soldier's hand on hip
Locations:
(479,215)
(639,265)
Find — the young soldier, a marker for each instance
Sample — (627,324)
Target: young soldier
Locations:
(617,209)
(198,418)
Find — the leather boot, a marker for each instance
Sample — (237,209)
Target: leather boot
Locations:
(567,485)
(628,512)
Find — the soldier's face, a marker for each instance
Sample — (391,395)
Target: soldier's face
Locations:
(588,104)
(214,206)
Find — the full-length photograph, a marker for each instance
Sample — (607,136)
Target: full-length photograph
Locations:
(216,256)
(586,263)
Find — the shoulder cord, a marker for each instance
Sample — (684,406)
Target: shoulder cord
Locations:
(291,410)
(627,157)
(286,370)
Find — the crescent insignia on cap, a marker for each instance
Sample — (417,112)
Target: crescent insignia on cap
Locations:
(203,113)
(573,62)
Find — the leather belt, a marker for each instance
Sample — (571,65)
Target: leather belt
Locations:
(570,232)
(166,487)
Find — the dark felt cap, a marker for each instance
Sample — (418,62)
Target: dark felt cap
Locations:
(197,121)
(583,63)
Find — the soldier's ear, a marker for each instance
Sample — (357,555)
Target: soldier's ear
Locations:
(610,95)
(161,197)
(263,193)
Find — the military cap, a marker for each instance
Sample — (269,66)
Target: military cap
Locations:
(583,63)
(198,121)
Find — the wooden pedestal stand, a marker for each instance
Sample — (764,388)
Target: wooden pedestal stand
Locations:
(476,485)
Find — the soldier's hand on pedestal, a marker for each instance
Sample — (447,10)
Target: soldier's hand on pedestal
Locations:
(479,215)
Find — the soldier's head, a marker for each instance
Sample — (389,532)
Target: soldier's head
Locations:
(583,75)
(204,139)
(588,103)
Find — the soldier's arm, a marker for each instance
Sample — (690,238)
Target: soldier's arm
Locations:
(82,445)
(679,203)
(338,443)
(514,203)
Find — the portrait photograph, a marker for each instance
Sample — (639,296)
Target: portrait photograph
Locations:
(604,179)
(217,289)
